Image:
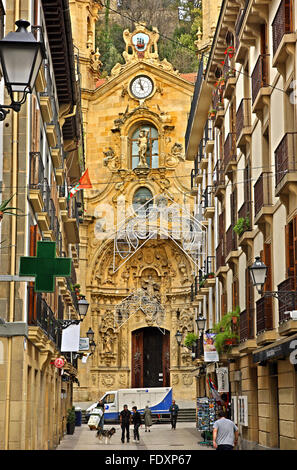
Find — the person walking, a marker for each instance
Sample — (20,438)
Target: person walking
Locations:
(225,433)
(101,406)
(136,420)
(148,420)
(174,409)
(125,421)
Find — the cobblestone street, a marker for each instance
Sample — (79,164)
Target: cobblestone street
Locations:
(161,437)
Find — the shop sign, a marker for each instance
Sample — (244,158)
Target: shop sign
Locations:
(84,344)
(288,348)
(59,362)
(223,379)
(210,352)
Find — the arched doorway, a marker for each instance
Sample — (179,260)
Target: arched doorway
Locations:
(150,358)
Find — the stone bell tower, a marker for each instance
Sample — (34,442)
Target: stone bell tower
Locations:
(84,14)
(210,13)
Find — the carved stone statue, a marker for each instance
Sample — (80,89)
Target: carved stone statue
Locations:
(150,286)
(142,148)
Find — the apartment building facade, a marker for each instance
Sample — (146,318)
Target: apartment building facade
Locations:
(41,159)
(242,137)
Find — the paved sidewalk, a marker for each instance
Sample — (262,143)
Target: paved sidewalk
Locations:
(161,437)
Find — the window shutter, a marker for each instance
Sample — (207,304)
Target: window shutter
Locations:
(289,250)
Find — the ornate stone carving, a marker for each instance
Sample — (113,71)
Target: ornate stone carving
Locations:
(187,379)
(175,156)
(111,161)
(107,380)
(175,379)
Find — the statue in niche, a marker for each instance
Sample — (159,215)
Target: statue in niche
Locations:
(107,343)
(150,286)
(142,148)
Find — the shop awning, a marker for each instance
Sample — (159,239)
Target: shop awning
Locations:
(279,349)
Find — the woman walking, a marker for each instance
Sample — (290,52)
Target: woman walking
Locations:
(147,418)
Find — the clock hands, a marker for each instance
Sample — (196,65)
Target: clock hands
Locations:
(140,82)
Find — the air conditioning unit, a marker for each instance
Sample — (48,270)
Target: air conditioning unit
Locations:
(292,314)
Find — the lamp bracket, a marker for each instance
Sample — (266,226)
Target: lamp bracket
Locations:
(4,109)
(280,295)
(63,324)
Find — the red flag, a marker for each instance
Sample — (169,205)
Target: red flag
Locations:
(85,182)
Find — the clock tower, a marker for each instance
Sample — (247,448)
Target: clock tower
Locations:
(137,279)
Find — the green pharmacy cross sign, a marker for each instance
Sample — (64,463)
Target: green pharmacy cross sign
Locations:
(45,267)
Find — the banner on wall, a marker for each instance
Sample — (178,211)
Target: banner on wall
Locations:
(223,379)
(210,352)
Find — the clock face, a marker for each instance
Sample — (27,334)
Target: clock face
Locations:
(141,87)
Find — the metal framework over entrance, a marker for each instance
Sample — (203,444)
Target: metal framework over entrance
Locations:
(162,218)
(140,300)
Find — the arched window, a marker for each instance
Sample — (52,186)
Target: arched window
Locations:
(152,153)
(142,199)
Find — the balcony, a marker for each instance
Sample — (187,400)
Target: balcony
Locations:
(218,105)
(209,269)
(230,161)
(46,108)
(219,181)
(260,84)
(36,177)
(264,321)
(41,315)
(230,77)
(208,202)
(221,267)
(246,327)
(209,137)
(56,157)
(43,216)
(287,304)
(71,221)
(283,36)
(243,124)
(263,199)
(232,252)
(286,166)
(244,38)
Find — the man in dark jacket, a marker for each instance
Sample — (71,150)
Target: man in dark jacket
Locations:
(125,420)
(174,409)
(136,419)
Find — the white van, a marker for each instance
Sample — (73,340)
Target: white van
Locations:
(158,399)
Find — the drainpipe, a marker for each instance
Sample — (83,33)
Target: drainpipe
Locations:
(12,259)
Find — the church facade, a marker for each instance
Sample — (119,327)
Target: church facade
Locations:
(137,239)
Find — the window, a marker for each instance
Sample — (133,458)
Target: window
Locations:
(142,199)
(152,153)
(110,398)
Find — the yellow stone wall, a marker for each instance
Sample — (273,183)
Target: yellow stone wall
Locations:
(111,114)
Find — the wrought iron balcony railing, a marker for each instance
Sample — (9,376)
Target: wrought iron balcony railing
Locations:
(36,171)
(260,76)
(285,156)
(246,324)
(262,191)
(264,315)
(282,23)
(286,303)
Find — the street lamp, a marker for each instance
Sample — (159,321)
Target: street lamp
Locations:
(83,306)
(90,334)
(258,272)
(178,337)
(200,322)
(20,58)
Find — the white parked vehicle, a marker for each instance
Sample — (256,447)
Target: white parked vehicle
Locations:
(158,399)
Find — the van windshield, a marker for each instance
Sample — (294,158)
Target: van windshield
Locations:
(110,398)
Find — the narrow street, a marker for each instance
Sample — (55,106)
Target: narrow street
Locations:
(161,437)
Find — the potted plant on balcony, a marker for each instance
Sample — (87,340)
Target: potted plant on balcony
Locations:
(190,340)
(210,275)
(212,113)
(226,334)
(70,420)
(242,224)
(230,50)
